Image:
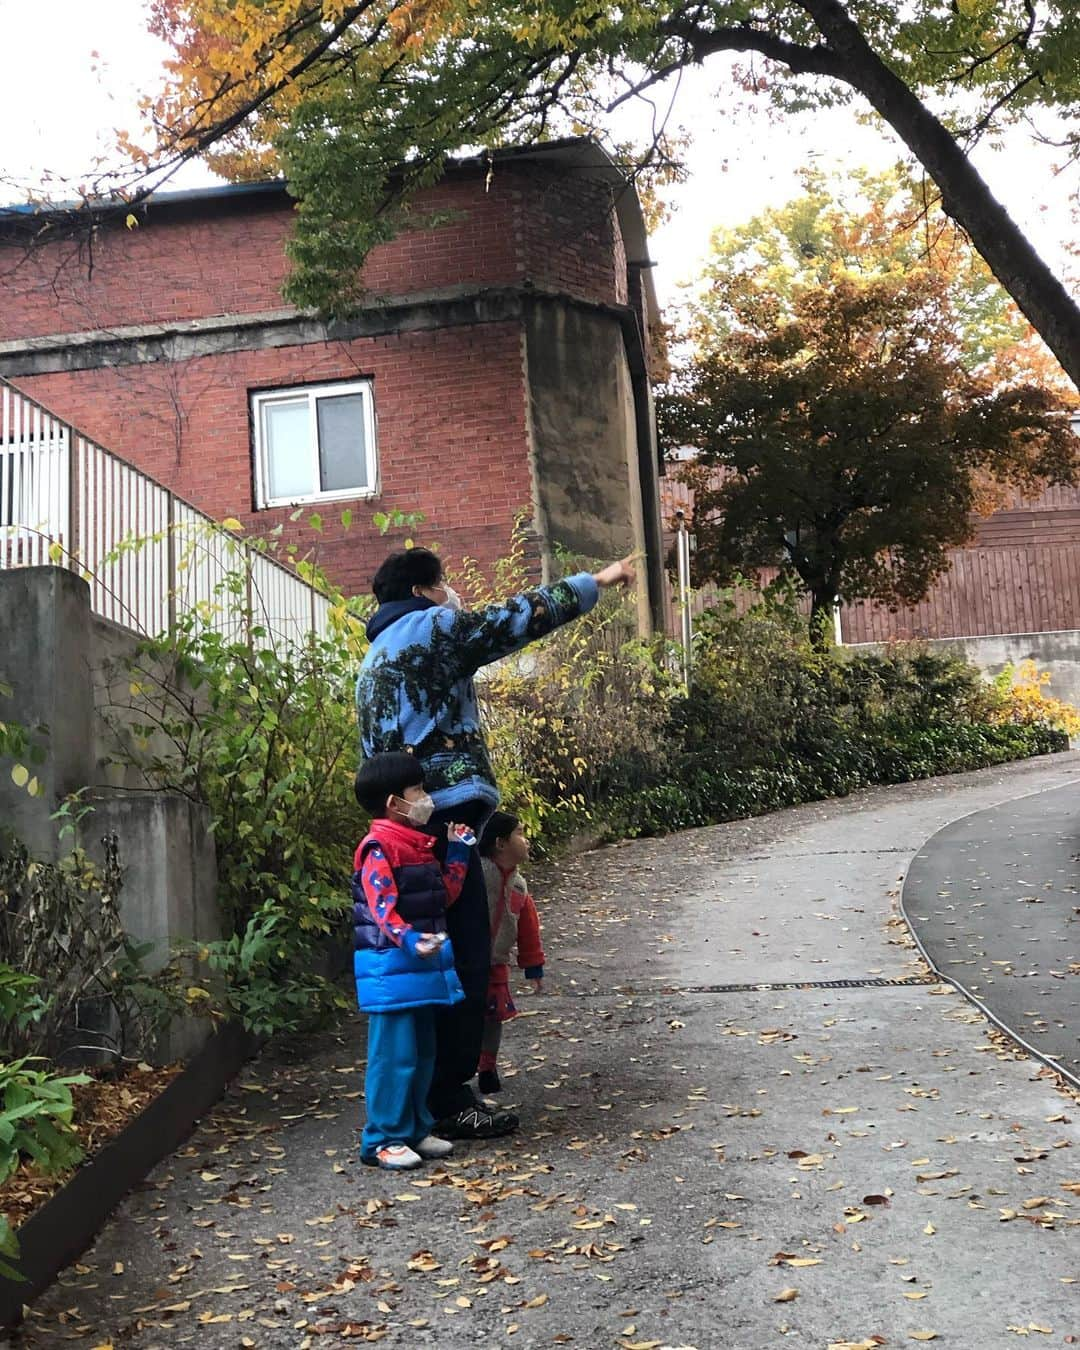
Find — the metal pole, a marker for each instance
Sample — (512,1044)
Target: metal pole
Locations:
(72,542)
(686,620)
(172,580)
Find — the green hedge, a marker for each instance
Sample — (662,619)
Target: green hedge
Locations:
(772,722)
(701,794)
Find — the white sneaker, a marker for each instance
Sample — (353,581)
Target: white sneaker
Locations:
(431,1147)
(393,1158)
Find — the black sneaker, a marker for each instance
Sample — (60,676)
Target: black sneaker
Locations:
(487,1080)
(477,1122)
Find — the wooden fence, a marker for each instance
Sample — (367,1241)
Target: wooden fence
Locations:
(1031,588)
(1021,574)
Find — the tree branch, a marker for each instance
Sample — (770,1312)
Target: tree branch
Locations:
(703,42)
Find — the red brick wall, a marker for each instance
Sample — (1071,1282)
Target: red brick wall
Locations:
(450,404)
(531,224)
(452,440)
(571,240)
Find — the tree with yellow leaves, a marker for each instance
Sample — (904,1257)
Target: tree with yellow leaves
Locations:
(361,103)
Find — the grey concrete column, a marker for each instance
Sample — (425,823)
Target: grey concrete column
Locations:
(45,646)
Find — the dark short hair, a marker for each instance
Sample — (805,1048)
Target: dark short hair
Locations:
(501,826)
(403,570)
(384,776)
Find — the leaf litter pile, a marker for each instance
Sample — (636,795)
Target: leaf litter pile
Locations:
(693,1172)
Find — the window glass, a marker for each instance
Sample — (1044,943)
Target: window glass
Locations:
(287,437)
(342,457)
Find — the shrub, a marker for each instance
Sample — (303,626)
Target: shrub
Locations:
(576,721)
(1020,698)
(266,739)
(770,721)
(61,931)
(35,1125)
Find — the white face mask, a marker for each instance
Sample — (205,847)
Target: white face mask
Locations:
(419,811)
(453,600)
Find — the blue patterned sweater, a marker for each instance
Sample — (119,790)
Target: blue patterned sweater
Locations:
(415,688)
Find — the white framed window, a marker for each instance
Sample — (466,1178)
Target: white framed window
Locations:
(314,443)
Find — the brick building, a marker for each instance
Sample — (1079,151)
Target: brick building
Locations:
(500,367)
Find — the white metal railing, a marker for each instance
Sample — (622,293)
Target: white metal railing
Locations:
(67,500)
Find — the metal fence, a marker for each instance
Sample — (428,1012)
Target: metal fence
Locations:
(148,556)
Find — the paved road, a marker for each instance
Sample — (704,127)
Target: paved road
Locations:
(995,900)
(704,1170)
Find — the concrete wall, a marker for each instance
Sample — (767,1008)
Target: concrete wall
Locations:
(583,434)
(1059,653)
(66,667)
(45,655)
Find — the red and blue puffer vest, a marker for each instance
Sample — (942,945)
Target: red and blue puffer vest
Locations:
(390,978)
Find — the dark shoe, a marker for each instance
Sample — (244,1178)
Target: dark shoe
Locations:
(487,1080)
(477,1122)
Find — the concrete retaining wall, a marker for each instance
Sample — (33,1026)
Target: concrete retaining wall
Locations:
(1059,653)
(68,672)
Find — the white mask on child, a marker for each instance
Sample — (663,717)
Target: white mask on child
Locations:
(453,600)
(420,809)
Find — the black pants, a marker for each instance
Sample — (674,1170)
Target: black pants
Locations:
(458,1030)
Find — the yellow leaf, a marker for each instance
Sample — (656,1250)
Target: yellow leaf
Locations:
(131,220)
(231,523)
(803,1261)
(537,1302)
(923,1335)
(786,1296)
(20,775)
(929,1230)
(914,1293)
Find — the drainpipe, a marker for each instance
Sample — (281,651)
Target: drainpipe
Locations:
(686,619)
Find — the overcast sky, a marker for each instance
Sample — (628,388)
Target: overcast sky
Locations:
(59,106)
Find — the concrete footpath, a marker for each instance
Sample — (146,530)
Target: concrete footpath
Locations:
(703,1164)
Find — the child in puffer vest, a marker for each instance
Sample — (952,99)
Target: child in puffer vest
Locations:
(514,924)
(403,961)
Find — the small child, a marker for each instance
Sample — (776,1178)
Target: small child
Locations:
(403,961)
(514,923)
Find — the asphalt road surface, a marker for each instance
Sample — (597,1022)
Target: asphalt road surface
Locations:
(995,899)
